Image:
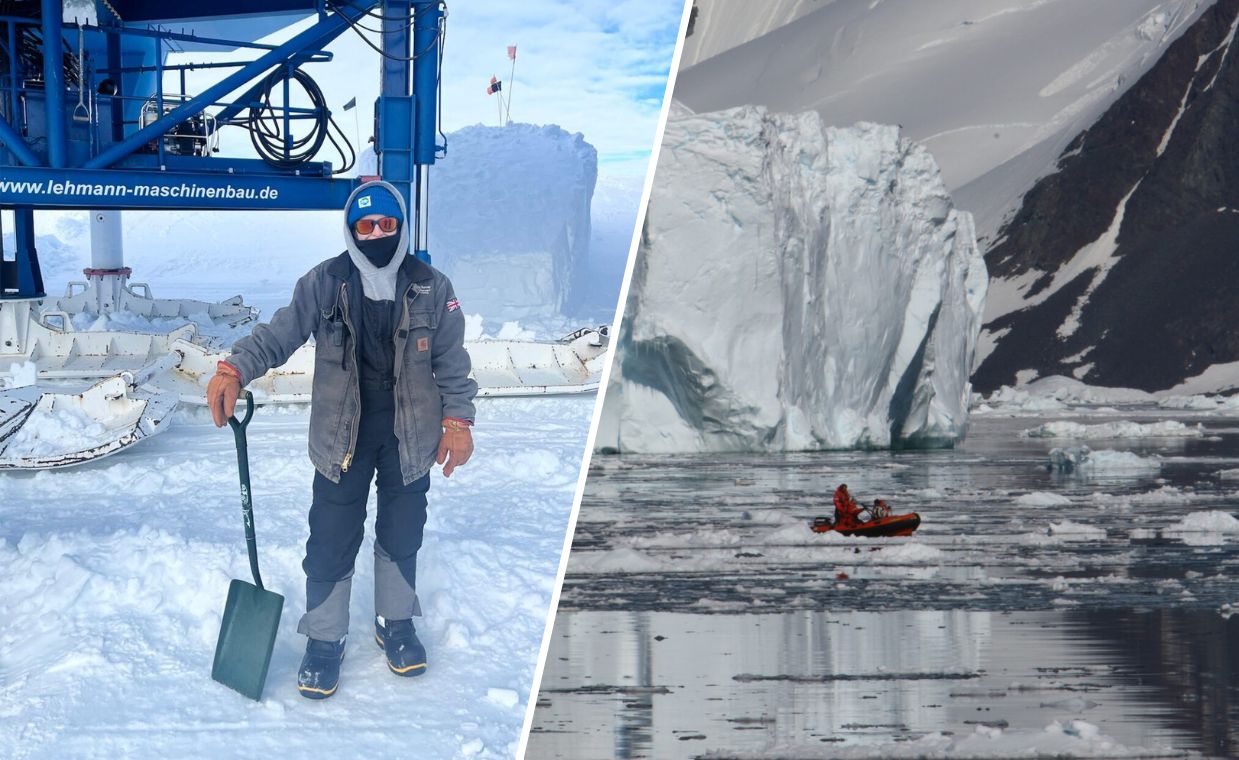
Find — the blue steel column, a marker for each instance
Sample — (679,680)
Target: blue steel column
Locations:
(29,276)
(117,105)
(395,131)
(428,16)
(54,83)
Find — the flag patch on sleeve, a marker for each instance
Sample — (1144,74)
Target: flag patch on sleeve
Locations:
(453,304)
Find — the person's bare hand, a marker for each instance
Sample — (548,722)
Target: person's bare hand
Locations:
(222,393)
(455,447)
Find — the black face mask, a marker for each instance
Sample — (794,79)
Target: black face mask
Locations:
(379,251)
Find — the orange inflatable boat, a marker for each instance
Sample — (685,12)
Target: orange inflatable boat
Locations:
(891,525)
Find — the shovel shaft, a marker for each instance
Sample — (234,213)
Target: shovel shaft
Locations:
(243,469)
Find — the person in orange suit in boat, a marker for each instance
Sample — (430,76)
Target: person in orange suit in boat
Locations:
(847,511)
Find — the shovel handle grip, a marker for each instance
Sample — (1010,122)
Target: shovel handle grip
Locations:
(243,470)
(249,412)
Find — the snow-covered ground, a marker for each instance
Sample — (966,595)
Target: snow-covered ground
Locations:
(116,574)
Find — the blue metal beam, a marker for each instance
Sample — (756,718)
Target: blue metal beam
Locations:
(54,82)
(14,142)
(315,37)
(45,187)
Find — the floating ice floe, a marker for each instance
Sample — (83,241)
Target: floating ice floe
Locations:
(1042,499)
(1073,531)
(1056,393)
(1121,429)
(1083,460)
(1211,528)
(1060,739)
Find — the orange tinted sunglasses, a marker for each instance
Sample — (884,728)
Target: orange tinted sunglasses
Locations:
(366,226)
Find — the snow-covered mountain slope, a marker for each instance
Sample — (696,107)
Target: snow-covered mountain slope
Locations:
(720,25)
(987,85)
(1118,268)
(798,287)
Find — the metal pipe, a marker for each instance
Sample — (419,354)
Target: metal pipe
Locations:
(428,17)
(422,250)
(54,83)
(12,27)
(14,142)
(106,249)
(316,36)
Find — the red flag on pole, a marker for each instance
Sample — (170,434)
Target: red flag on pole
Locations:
(512,52)
(495,86)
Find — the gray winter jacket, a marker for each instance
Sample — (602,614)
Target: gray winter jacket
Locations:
(431,369)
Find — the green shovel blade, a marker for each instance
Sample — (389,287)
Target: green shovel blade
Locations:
(247,638)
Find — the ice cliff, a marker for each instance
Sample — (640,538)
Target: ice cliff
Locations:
(510,217)
(797,287)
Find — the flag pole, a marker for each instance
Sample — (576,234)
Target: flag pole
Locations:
(511,79)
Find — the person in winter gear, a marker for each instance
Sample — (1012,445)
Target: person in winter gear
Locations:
(846,508)
(880,509)
(392,396)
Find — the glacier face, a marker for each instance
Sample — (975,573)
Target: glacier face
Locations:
(797,287)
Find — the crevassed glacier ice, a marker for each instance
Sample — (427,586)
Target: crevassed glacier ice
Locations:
(797,287)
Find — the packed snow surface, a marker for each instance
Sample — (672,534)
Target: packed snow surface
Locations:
(50,430)
(19,375)
(799,287)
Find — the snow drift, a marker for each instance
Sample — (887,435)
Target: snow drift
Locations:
(511,208)
(798,287)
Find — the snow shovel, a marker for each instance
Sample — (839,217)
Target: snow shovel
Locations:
(252,614)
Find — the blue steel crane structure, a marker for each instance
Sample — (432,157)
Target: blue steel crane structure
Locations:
(128,144)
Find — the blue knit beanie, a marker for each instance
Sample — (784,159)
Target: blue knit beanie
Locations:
(375,200)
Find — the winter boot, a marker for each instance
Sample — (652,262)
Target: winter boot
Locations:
(405,654)
(320,668)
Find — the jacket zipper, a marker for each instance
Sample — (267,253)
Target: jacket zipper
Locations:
(404,321)
(352,438)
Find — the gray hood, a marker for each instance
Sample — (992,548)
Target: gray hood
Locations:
(378,284)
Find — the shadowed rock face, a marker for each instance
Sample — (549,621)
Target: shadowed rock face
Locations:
(1166,309)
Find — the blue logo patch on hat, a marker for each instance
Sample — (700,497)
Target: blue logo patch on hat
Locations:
(376,200)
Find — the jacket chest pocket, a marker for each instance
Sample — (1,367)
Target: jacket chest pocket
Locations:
(420,340)
(331,338)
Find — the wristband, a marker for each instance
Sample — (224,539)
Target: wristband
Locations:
(455,423)
(228,369)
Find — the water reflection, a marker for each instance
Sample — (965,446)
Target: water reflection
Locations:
(648,684)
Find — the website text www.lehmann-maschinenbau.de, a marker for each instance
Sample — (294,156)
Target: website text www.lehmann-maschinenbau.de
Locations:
(98,190)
